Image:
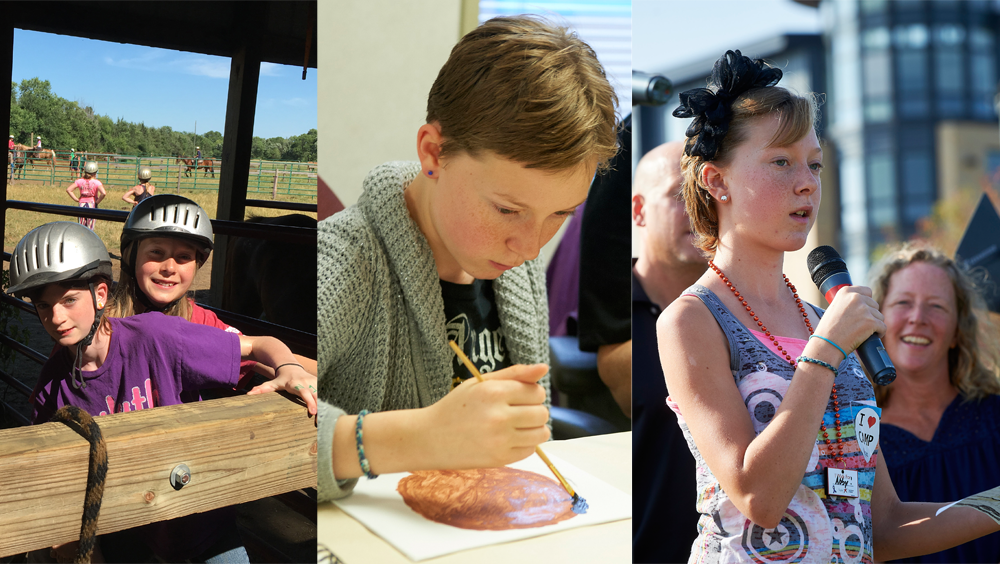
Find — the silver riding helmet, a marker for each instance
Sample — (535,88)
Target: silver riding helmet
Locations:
(145,173)
(61,251)
(167,215)
(90,167)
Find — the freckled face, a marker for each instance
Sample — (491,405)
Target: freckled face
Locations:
(165,268)
(921,317)
(774,192)
(492,214)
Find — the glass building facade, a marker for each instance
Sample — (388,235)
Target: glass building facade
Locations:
(897,70)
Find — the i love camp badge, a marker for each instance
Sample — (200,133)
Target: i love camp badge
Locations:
(866,425)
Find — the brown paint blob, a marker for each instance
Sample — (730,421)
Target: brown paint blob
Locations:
(487,499)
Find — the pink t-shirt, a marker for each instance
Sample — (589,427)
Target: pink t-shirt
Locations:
(88,188)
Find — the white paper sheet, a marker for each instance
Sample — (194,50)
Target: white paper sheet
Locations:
(378,506)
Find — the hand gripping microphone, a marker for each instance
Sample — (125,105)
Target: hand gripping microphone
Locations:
(829,273)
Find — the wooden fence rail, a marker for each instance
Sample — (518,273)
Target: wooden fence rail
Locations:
(238,449)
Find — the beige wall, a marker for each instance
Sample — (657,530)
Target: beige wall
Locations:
(961,155)
(379,59)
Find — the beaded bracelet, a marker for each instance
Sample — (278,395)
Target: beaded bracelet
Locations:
(365,466)
(817,361)
(832,343)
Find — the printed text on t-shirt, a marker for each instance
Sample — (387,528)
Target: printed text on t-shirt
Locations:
(135,401)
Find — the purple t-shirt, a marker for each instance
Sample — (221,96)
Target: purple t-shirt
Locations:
(151,359)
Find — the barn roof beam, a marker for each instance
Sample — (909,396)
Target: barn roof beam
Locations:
(279,28)
(241,106)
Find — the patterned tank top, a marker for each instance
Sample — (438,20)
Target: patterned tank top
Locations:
(816,527)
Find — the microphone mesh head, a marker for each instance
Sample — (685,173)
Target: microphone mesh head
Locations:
(824,261)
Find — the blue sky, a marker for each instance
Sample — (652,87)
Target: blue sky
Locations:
(670,33)
(161,87)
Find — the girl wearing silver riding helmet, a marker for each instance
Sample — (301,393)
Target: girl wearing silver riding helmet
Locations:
(164,242)
(91,192)
(105,365)
(82,263)
(142,190)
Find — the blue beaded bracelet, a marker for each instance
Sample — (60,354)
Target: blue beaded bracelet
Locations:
(819,362)
(365,466)
(832,343)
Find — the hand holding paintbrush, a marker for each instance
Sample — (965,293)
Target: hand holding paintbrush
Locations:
(579,503)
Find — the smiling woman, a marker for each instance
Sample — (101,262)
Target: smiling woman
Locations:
(947,358)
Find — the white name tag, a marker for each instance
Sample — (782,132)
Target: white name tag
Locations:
(843,483)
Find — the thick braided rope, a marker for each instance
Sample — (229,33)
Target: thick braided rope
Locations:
(81,422)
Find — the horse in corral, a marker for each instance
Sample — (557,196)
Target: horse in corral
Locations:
(208,166)
(271,279)
(194,164)
(188,164)
(33,155)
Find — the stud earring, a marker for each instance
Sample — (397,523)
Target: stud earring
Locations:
(724,198)
(430,173)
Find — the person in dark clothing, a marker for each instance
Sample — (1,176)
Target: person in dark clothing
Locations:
(605,323)
(664,516)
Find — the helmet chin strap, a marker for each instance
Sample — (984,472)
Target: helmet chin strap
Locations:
(85,342)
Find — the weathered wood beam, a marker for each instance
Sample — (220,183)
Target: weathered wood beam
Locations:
(234,174)
(238,449)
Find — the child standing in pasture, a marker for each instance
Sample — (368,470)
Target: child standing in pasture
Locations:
(109,365)
(91,192)
(518,121)
(74,163)
(142,190)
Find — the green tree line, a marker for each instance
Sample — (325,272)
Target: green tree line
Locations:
(62,124)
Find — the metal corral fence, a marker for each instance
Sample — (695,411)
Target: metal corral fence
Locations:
(169,173)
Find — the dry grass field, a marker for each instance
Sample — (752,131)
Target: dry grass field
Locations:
(20,222)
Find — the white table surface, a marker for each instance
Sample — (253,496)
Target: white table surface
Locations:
(608,457)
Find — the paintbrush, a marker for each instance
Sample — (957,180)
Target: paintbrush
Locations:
(579,503)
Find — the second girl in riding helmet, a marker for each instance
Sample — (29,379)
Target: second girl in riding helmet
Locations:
(164,242)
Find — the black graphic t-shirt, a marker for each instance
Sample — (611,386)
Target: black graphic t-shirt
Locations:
(474,324)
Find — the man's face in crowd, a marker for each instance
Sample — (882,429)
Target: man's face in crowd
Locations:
(667,230)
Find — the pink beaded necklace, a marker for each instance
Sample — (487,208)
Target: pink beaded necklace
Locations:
(805,317)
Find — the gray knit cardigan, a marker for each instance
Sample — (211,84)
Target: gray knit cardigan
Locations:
(382,339)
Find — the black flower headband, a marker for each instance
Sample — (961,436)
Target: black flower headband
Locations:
(710,107)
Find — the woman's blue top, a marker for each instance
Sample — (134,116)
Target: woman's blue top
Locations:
(962,459)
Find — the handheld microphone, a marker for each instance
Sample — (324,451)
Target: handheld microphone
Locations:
(829,273)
